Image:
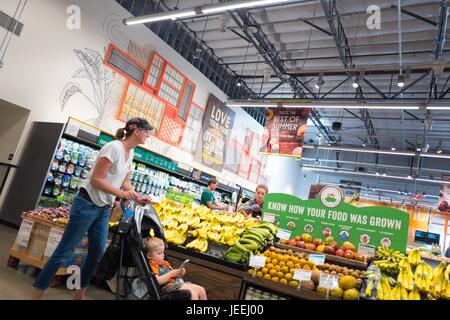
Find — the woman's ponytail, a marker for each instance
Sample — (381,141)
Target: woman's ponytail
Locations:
(120,134)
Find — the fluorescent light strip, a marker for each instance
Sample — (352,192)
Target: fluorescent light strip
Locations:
(373,175)
(160,16)
(232,5)
(312,104)
(380,151)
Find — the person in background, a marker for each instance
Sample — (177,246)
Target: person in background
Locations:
(208,198)
(90,211)
(447,252)
(168,278)
(255,205)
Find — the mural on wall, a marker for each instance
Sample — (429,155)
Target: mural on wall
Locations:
(100,77)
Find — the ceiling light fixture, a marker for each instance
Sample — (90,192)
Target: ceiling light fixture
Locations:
(206,9)
(239,4)
(401,80)
(355,82)
(168,15)
(439,147)
(319,82)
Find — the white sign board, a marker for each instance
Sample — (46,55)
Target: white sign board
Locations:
(302,275)
(284,234)
(53,240)
(318,259)
(269,217)
(366,250)
(24,233)
(328,281)
(257,261)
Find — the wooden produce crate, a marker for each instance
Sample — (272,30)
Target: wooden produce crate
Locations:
(32,250)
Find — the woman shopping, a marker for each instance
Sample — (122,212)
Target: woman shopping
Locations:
(91,207)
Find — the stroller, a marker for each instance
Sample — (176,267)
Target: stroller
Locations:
(135,279)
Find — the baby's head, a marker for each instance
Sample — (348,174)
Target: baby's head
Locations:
(155,249)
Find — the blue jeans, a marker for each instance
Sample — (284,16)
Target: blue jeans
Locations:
(84,217)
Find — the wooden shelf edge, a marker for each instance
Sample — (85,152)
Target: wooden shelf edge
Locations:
(33,261)
(285,289)
(328,257)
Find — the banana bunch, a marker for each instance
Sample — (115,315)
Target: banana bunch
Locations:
(390,260)
(252,240)
(200,244)
(405,277)
(414,294)
(399,293)
(193,221)
(169,224)
(441,282)
(423,277)
(235,254)
(414,257)
(370,286)
(175,237)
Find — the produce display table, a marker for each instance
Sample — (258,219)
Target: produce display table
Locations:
(34,253)
(226,283)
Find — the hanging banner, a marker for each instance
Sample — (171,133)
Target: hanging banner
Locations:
(329,215)
(284,131)
(444,195)
(216,130)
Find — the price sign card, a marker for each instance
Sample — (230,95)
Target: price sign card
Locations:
(257,261)
(318,259)
(24,233)
(53,240)
(302,275)
(366,250)
(269,217)
(328,281)
(284,234)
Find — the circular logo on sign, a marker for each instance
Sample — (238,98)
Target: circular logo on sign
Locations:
(291,224)
(385,242)
(331,196)
(326,232)
(308,228)
(364,238)
(344,235)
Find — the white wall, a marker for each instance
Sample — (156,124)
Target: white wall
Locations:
(41,61)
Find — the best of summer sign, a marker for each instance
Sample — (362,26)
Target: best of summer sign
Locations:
(284,132)
(328,215)
(216,130)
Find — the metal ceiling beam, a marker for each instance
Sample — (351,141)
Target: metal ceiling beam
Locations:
(439,44)
(272,90)
(334,88)
(414,15)
(270,55)
(375,88)
(317,27)
(410,85)
(301,72)
(337,31)
(343,48)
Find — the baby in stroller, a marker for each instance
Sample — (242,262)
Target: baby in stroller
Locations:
(168,278)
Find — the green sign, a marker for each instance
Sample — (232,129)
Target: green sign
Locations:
(155,159)
(144,155)
(104,139)
(328,215)
(180,197)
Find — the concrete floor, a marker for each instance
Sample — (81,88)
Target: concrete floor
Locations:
(16,284)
